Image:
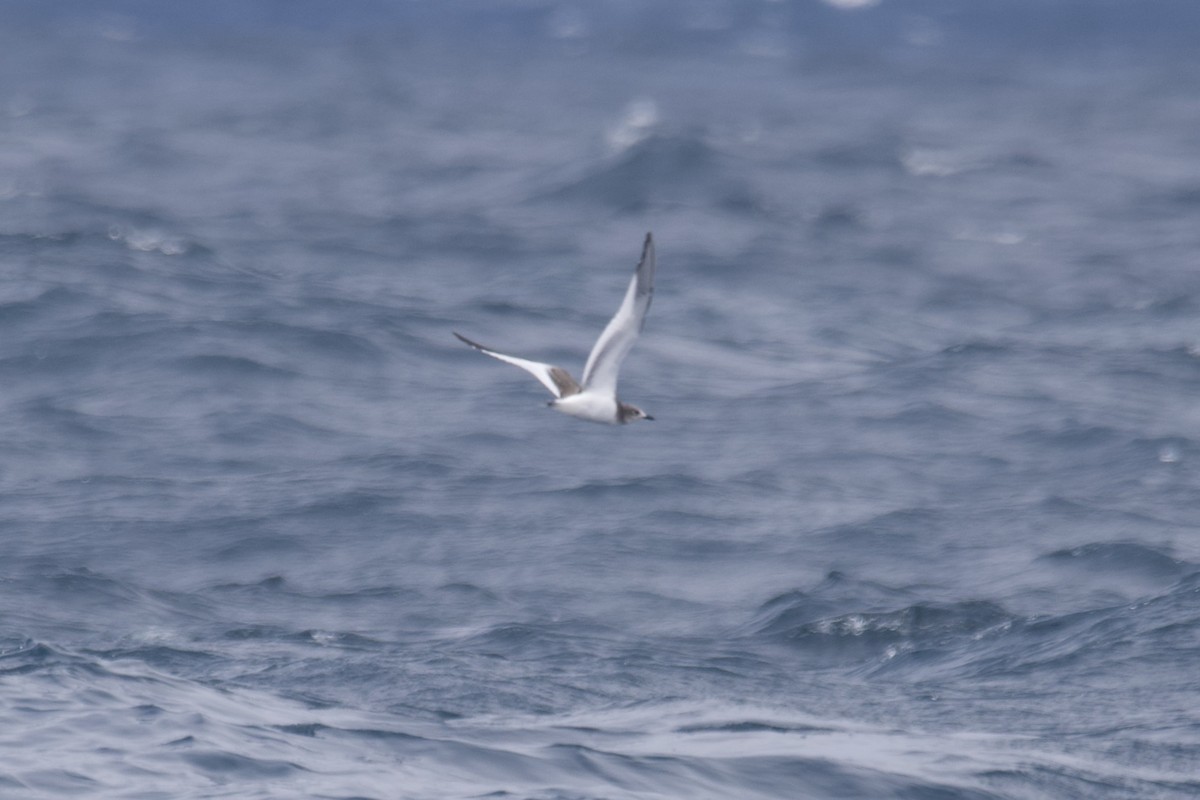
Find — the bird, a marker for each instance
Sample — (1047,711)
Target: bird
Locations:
(595,397)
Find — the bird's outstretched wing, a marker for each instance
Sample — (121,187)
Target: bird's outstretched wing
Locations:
(556,379)
(604,362)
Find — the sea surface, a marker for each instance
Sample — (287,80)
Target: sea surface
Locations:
(919,513)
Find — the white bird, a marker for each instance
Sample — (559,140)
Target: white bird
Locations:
(595,399)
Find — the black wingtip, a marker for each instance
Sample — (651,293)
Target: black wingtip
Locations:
(647,247)
(467,341)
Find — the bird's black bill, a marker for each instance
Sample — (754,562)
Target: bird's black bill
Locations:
(648,417)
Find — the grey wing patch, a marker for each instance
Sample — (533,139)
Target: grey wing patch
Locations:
(553,378)
(565,383)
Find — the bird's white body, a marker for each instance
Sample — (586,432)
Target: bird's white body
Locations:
(595,398)
(589,405)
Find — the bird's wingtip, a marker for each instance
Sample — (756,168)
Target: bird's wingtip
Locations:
(648,245)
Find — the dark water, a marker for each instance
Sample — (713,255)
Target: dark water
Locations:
(918,517)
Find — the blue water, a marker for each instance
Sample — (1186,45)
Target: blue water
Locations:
(918,515)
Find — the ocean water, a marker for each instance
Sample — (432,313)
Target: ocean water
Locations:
(919,515)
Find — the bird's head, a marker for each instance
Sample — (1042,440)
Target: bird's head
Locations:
(627,413)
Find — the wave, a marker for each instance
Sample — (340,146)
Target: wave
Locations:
(69,422)
(21,655)
(660,171)
(1105,558)
(49,302)
(862,627)
(945,162)
(153,240)
(651,486)
(190,735)
(885,634)
(216,365)
(311,341)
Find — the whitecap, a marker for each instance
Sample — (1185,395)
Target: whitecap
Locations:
(638,122)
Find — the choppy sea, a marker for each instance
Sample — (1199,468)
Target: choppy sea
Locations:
(919,513)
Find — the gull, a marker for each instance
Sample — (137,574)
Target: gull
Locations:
(595,398)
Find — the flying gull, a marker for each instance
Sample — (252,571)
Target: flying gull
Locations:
(595,398)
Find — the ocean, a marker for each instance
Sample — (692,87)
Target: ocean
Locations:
(918,516)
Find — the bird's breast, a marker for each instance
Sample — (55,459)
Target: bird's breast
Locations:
(588,405)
